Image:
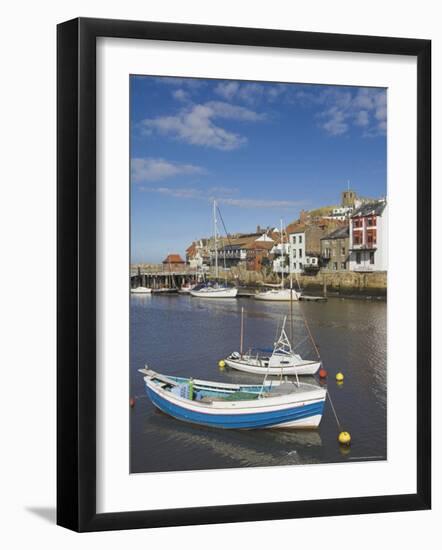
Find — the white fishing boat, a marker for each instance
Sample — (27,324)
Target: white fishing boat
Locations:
(272,404)
(281,360)
(277,292)
(214,289)
(140,290)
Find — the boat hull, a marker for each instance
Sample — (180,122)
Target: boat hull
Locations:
(215,293)
(304,369)
(141,290)
(301,412)
(278,295)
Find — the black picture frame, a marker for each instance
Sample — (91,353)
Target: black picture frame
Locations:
(76,273)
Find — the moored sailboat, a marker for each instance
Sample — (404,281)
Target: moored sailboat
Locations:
(214,289)
(281,360)
(277,292)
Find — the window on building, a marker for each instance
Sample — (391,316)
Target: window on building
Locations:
(294,252)
(300,265)
(335,265)
(300,252)
(294,265)
(300,239)
(358,257)
(343,265)
(357,238)
(343,250)
(372,257)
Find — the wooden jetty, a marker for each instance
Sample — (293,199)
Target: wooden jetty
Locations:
(161,276)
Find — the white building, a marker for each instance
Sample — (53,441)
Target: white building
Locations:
(369,238)
(281,252)
(297,251)
(341,213)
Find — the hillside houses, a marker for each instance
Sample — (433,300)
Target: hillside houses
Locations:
(352,236)
(305,243)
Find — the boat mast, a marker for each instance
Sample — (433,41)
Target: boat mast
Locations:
(241,340)
(282,256)
(215,227)
(291,310)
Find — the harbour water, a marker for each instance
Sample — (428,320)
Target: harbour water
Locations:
(185,336)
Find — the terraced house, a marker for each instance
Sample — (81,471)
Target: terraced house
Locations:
(368,237)
(335,250)
(305,243)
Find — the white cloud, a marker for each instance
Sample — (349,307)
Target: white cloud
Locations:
(219,193)
(190,83)
(361,118)
(227,90)
(180,95)
(195,125)
(155,169)
(335,121)
(249,92)
(367,108)
(260,203)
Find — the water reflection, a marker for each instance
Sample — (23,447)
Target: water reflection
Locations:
(181,335)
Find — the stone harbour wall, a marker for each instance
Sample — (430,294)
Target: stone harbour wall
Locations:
(333,282)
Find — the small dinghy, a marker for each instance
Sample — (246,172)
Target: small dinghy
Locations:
(279,361)
(272,404)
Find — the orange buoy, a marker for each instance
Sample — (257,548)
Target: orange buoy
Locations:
(322,373)
(132,402)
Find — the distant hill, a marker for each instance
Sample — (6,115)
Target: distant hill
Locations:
(323,211)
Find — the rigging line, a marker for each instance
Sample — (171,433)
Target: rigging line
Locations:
(300,343)
(227,235)
(334,411)
(310,334)
(224,225)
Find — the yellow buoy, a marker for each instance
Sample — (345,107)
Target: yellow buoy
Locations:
(339,377)
(344,438)
(221,364)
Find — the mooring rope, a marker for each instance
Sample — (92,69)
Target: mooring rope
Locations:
(334,411)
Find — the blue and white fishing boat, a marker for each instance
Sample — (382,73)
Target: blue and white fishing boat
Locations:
(272,404)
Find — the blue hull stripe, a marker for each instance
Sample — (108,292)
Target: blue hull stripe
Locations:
(244,420)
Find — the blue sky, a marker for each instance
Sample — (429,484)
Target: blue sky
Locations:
(263,150)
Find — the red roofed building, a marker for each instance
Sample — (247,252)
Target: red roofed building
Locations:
(174,261)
